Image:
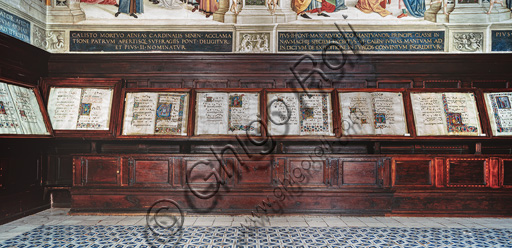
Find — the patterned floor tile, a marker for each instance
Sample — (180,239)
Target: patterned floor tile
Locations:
(193,236)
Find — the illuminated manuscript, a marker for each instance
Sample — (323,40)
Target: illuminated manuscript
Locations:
(80,108)
(227,113)
(445,114)
(372,113)
(155,113)
(300,114)
(19,111)
(500,112)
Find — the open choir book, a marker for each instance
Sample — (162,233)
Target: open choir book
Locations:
(80,108)
(228,113)
(445,113)
(500,112)
(372,113)
(20,112)
(155,113)
(292,113)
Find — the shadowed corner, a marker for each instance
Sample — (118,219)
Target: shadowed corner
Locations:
(164,224)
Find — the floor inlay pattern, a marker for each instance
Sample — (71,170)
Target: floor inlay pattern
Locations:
(124,236)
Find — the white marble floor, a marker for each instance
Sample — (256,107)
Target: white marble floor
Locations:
(59,216)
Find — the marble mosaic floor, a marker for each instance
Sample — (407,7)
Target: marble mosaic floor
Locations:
(54,228)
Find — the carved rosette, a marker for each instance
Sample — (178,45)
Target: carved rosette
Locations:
(39,36)
(468,41)
(54,41)
(254,43)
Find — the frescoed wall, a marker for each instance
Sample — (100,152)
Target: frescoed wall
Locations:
(260,26)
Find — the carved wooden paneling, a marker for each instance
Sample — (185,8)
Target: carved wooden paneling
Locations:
(203,172)
(150,172)
(161,84)
(99,171)
(359,173)
(266,84)
(442,84)
(255,173)
(60,170)
(211,84)
(413,172)
(490,84)
(506,173)
(394,84)
(350,84)
(309,172)
(467,172)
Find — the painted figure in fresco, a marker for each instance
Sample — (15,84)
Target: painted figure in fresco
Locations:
(317,6)
(194,3)
(108,2)
(370,6)
(130,7)
(492,2)
(208,6)
(416,8)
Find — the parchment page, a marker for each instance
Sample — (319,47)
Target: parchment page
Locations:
(212,113)
(278,106)
(461,114)
(171,114)
(28,111)
(63,107)
(315,115)
(445,114)
(428,112)
(388,113)
(94,109)
(139,114)
(500,112)
(356,113)
(243,109)
(9,123)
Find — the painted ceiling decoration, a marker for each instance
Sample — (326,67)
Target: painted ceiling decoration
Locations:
(260,26)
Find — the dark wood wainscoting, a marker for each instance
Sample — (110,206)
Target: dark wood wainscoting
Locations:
(22,161)
(379,176)
(290,70)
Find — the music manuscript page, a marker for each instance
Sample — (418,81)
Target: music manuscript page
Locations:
(227,113)
(372,113)
(80,108)
(19,111)
(500,112)
(450,113)
(300,114)
(155,113)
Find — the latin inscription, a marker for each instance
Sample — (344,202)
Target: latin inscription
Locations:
(501,41)
(362,41)
(14,26)
(84,41)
